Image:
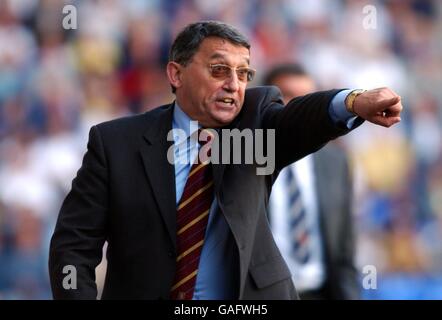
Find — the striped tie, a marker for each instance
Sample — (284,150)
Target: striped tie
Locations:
(192,217)
(299,230)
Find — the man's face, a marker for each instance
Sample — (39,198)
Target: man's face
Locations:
(292,86)
(213,102)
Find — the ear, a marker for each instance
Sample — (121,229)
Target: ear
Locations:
(173,70)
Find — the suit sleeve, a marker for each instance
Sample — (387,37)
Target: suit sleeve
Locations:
(80,232)
(303,126)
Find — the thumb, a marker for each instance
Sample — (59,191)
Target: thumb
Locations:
(384,104)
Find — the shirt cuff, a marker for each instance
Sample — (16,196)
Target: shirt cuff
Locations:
(338,112)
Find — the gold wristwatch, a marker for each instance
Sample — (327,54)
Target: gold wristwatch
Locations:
(349,101)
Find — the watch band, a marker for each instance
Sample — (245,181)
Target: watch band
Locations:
(350,100)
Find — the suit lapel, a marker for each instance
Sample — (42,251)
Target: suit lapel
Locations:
(218,169)
(161,173)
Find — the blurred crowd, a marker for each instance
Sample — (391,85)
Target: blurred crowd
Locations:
(56,83)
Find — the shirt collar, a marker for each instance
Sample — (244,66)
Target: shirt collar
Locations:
(182,121)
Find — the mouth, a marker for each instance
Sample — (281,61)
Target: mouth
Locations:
(226,102)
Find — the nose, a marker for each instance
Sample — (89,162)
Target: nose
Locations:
(231,83)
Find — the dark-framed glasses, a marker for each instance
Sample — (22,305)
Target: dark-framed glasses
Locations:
(223,71)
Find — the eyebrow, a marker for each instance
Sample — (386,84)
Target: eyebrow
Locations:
(218,55)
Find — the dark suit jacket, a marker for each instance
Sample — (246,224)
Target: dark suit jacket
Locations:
(124,193)
(334,192)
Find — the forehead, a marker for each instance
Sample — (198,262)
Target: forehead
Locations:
(214,48)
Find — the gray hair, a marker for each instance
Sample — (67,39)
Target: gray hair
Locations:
(187,42)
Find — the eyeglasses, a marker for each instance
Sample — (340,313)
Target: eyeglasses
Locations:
(222,71)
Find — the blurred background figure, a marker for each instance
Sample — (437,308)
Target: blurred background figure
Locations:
(56,83)
(311,209)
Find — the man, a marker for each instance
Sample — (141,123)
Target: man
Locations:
(128,193)
(325,194)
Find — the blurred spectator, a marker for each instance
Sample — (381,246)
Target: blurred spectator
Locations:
(311,208)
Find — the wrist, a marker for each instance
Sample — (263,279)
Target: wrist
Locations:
(350,100)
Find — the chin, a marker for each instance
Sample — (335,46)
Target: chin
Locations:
(225,119)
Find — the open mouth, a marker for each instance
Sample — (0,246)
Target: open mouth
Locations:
(226,101)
